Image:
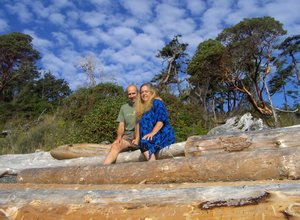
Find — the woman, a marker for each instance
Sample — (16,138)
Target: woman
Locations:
(153,130)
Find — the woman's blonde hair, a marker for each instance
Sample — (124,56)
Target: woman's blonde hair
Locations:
(141,106)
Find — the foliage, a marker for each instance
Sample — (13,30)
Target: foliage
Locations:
(250,44)
(185,118)
(229,70)
(205,69)
(81,102)
(176,57)
(52,90)
(17,59)
(100,123)
(23,92)
(290,49)
(94,111)
(287,66)
(44,135)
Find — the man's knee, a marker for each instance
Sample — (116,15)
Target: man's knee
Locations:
(116,147)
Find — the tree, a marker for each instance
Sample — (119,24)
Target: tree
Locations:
(290,47)
(174,54)
(17,56)
(52,90)
(92,70)
(250,45)
(287,66)
(205,68)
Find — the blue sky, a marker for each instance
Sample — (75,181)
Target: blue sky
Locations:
(123,37)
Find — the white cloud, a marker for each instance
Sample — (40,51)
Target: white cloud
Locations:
(3,25)
(93,19)
(196,7)
(127,57)
(53,63)
(40,10)
(153,30)
(146,45)
(62,39)
(21,10)
(57,18)
(85,38)
(140,9)
(65,65)
(60,4)
(173,21)
(42,45)
(124,36)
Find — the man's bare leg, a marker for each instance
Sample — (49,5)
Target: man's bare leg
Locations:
(114,151)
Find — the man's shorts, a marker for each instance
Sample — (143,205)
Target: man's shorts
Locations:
(131,147)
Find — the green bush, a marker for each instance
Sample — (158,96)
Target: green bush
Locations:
(185,118)
(81,102)
(45,135)
(100,123)
(94,112)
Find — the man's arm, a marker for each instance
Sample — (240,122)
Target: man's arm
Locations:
(120,131)
(136,139)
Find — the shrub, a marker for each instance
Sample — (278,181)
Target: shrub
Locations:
(185,118)
(47,134)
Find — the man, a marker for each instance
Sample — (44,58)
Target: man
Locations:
(125,132)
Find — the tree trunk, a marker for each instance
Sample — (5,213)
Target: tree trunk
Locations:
(239,200)
(247,141)
(254,165)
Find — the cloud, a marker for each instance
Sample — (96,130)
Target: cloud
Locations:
(40,10)
(146,45)
(62,39)
(21,10)
(85,38)
(196,7)
(57,18)
(42,45)
(173,21)
(122,33)
(93,18)
(140,9)
(124,36)
(3,25)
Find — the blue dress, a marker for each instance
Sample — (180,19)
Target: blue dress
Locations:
(164,137)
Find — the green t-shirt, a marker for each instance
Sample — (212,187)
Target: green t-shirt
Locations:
(127,115)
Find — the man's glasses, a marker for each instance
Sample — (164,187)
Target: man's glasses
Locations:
(133,93)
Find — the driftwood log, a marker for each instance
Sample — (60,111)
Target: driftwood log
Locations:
(244,141)
(209,201)
(174,151)
(70,151)
(253,165)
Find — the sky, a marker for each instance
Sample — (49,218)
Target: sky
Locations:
(123,37)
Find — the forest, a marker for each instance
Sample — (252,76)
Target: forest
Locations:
(239,71)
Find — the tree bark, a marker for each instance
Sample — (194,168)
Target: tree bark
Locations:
(253,165)
(246,141)
(209,201)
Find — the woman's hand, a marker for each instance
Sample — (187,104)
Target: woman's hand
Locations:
(148,136)
(156,129)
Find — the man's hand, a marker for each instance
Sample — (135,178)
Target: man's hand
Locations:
(135,142)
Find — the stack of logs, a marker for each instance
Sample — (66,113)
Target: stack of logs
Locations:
(259,155)
(247,175)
